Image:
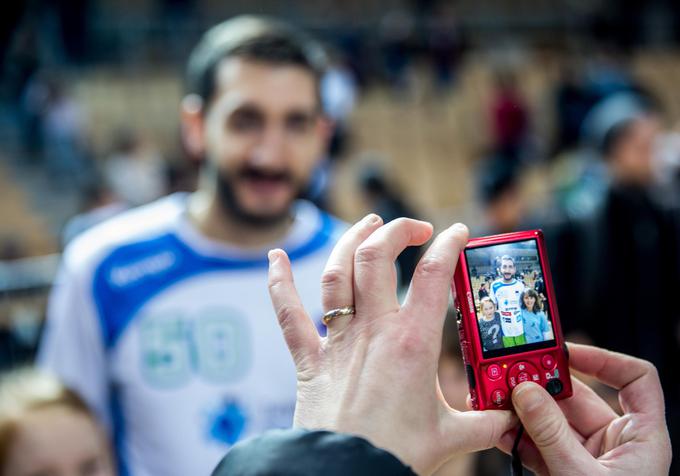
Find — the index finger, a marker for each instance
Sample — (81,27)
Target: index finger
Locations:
(637,380)
(375,283)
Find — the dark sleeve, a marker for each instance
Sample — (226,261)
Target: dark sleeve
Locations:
(301,453)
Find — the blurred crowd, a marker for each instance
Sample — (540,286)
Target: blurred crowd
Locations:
(602,178)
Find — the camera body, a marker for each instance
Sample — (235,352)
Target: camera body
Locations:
(509,327)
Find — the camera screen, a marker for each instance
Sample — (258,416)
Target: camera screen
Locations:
(510,298)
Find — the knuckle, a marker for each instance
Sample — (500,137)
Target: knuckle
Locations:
(369,254)
(650,368)
(433,266)
(333,277)
(549,432)
(409,345)
(274,281)
(286,315)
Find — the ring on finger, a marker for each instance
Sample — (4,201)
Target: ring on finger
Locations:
(339,312)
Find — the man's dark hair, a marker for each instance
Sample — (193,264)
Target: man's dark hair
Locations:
(250,37)
(507,258)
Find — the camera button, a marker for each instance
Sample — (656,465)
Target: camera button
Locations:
(523,377)
(522,372)
(494,371)
(548,362)
(554,386)
(498,397)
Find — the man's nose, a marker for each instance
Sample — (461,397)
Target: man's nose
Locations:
(270,151)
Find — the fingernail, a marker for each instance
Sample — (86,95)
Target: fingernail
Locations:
(372,219)
(271,256)
(459,227)
(528,397)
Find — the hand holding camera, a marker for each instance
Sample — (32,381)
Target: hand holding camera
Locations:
(374,375)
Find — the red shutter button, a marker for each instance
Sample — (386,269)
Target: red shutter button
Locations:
(498,397)
(494,371)
(548,362)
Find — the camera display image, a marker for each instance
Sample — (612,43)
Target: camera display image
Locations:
(510,298)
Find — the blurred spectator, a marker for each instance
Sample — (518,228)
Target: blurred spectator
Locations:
(509,118)
(65,137)
(606,74)
(539,285)
(582,84)
(160,317)
(572,103)
(616,267)
(46,429)
(32,105)
(99,204)
(385,200)
(483,290)
(135,171)
(444,44)
(396,31)
(501,197)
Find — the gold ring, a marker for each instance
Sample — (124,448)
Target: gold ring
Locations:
(333,313)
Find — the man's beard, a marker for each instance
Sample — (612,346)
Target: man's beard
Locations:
(230,202)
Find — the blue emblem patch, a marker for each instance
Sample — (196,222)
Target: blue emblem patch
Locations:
(228,423)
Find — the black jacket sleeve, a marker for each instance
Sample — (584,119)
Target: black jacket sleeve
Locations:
(301,453)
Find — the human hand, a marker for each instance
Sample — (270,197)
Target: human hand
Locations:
(582,435)
(375,374)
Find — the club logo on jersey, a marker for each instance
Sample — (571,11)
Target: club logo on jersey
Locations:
(214,344)
(228,422)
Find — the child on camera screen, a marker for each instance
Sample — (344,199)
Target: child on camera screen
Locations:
(536,325)
(490,325)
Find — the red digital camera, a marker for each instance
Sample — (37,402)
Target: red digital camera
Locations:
(508,323)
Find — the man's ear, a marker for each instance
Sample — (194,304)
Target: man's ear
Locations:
(191,114)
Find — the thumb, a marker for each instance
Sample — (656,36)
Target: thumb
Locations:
(547,426)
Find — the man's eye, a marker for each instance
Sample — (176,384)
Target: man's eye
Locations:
(298,123)
(246,121)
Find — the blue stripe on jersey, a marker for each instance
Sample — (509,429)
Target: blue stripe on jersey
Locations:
(498,284)
(133,274)
(118,432)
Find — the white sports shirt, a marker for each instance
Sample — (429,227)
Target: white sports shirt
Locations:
(506,296)
(171,337)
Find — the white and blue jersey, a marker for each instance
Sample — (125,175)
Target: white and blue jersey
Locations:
(171,337)
(507,299)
